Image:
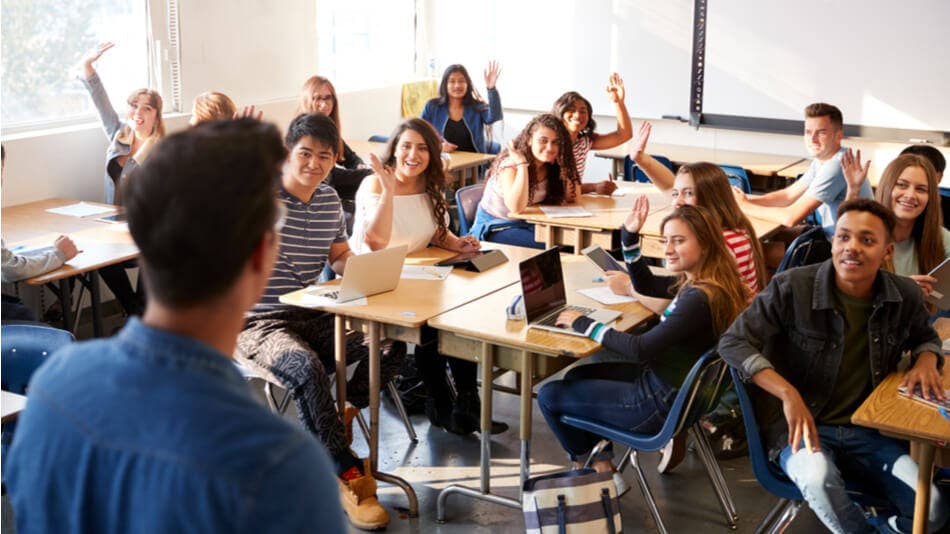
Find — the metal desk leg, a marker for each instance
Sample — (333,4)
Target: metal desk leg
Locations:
(925,467)
(66,303)
(527,372)
(339,350)
(485,469)
(96,298)
(374,355)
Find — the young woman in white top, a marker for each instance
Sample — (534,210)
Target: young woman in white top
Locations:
(404,203)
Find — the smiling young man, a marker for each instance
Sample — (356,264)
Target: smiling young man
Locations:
(821,188)
(819,339)
(293,347)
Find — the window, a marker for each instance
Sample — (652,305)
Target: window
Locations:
(365,43)
(43,44)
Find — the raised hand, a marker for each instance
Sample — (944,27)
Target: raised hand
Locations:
(387,180)
(491,74)
(637,215)
(854,173)
(248,112)
(638,145)
(93,55)
(514,156)
(615,89)
(739,195)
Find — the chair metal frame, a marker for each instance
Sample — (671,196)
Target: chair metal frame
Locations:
(697,395)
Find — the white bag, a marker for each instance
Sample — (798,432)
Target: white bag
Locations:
(579,501)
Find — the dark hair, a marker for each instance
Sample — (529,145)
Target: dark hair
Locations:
(201,204)
(471,98)
(560,174)
(931,153)
(567,100)
(821,109)
(874,208)
(320,127)
(433,174)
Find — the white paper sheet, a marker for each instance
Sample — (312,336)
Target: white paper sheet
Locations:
(425,272)
(565,211)
(82,209)
(604,295)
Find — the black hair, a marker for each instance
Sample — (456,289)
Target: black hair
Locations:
(320,127)
(201,204)
(566,101)
(874,208)
(931,153)
(471,98)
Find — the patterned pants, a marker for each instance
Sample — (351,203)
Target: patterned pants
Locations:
(293,348)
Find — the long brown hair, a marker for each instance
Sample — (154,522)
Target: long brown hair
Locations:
(717,276)
(714,193)
(561,175)
(306,105)
(927,234)
(434,173)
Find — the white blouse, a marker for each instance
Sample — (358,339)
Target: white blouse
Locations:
(413,222)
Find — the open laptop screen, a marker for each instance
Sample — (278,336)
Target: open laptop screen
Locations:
(542,284)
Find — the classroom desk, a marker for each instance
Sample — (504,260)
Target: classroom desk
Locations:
(102,244)
(904,418)
(463,165)
(481,332)
(12,404)
(608,214)
(755,162)
(400,315)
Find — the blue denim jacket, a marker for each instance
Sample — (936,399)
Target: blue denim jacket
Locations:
(475,118)
(153,432)
(793,327)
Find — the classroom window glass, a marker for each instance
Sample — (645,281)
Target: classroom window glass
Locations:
(366,43)
(42,47)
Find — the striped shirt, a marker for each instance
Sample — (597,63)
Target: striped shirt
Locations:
(305,240)
(741,248)
(581,147)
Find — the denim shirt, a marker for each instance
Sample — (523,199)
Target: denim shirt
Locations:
(793,327)
(475,117)
(118,134)
(154,432)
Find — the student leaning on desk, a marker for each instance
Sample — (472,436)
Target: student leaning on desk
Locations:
(155,429)
(635,380)
(404,203)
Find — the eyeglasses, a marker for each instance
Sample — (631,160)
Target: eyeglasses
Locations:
(327,98)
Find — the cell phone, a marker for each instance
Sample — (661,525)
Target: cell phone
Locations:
(603,259)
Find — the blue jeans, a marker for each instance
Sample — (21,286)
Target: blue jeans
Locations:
(487,227)
(621,394)
(858,454)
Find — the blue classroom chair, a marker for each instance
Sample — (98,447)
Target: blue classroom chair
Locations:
(633,173)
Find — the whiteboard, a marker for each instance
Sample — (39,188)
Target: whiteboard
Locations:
(883,63)
(549,47)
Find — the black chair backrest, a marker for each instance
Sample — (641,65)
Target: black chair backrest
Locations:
(810,247)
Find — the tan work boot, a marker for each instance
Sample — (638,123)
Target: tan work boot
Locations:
(349,412)
(360,504)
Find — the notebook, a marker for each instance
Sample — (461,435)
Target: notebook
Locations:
(542,289)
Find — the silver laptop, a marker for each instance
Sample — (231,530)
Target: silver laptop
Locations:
(366,275)
(542,289)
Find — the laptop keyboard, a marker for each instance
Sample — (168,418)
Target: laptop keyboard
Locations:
(551,319)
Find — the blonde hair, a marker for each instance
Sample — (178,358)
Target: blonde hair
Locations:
(307,105)
(211,106)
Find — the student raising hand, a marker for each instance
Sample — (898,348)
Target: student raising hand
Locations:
(854,173)
(615,89)
(387,180)
(491,74)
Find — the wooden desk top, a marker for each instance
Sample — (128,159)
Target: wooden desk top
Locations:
(893,413)
(755,162)
(414,302)
(459,160)
(610,212)
(12,404)
(485,318)
(102,244)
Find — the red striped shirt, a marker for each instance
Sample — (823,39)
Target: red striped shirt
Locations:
(738,243)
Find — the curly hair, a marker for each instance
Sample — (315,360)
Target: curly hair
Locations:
(434,173)
(561,175)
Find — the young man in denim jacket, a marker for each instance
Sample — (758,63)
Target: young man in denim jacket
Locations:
(155,429)
(819,339)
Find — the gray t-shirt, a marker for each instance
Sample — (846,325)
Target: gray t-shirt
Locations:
(826,184)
